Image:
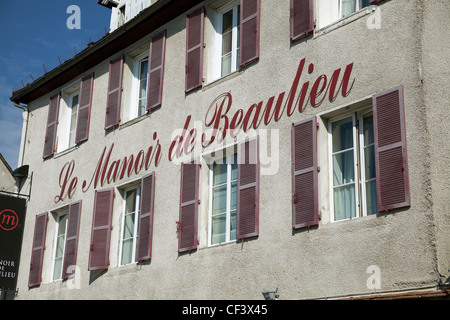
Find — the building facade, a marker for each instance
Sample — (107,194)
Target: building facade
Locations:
(218,149)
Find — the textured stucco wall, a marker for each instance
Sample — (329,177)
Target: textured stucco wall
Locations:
(329,260)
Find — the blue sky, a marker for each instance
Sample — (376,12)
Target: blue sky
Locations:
(33,34)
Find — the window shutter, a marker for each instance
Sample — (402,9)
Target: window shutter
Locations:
(101,229)
(84,111)
(73,227)
(194,49)
(37,253)
(390,150)
(249,31)
(114,92)
(302,18)
(374,1)
(305,206)
(189,201)
(52,124)
(146,218)
(248,189)
(156,70)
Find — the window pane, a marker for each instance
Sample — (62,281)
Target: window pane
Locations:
(371,197)
(218,229)
(57,271)
(342,132)
(128,228)
(127,251)
(369,161)
(227,23)
(365,3)
(344,202)
(348,7)
(234,166)
(233,225)
(130,205)
(220,199)
(368,130)
(226,43)
(220,173)
(234,195)
(226,64)
(343,168)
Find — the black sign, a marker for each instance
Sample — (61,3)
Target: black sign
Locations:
(12,220)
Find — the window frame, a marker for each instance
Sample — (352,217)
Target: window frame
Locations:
(137,212)
(133,112)
(358,158)
(218,39)
(335,12)
(230,155)
(59,215)
(73,131)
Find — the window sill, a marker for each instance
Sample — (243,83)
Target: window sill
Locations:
(133,121)
(344,21)
(222,244)
(222,79)
(64,152)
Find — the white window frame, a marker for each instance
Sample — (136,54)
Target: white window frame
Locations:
(73,130)
(332,11)
(136,223)
(218,23)
(63,213)
(358,158)
(229,155)
(134,102)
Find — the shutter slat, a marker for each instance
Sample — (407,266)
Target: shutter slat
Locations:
(156,70)
(52,125)
(101,229)
(249,31)
(305,207)
(84,111)
(302,18)
(194,49)
(73,228)
(189,198)
(146,217)
(114,92)
(248,189)
(37,253)
(391,163)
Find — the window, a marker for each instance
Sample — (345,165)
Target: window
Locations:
(130,225)
(329,11)
(73,118)
(139,98)
(352,170)
(228,29)
(60,240)
(223,204)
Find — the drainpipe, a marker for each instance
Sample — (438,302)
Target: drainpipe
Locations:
(23,139)
(24,132)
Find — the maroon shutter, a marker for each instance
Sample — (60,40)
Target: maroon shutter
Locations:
(302,18)
(73,228)
(84,111)
(390,150)
(37,253)
(248,189)
(156,70)
(194,49)
(305,207)
(52,124)
(189,200)
(146,218)
(114,92)
(249,31)
(101,229)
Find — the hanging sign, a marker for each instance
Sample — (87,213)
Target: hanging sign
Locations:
(12,219)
